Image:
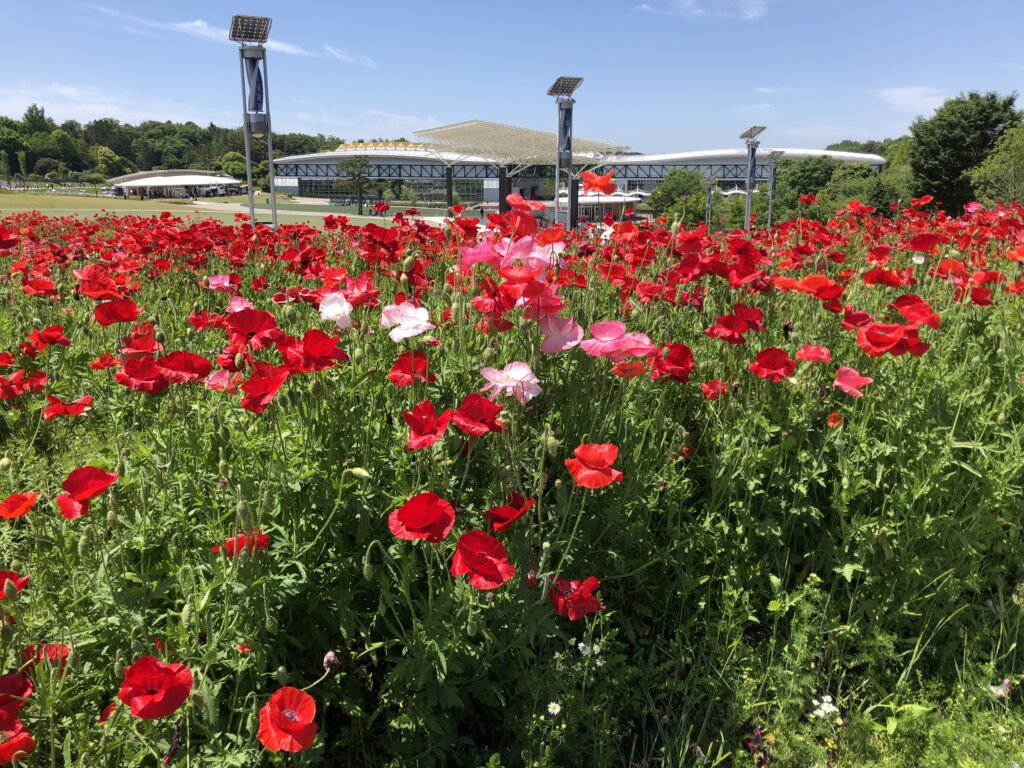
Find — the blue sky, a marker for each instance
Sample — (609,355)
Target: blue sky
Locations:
(660,75)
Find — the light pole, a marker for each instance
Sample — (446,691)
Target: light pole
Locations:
(252,32)
(773,161)
(712,182)
(563,89)
(750,136)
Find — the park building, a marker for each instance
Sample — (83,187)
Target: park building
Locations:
(176,183)
(473,162)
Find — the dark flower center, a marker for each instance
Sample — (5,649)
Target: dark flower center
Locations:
(290,714)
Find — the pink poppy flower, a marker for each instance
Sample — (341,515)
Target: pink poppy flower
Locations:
(514,379)
(609,339)
(560,334)
(850,381)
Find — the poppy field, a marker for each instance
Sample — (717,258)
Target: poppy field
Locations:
(488,494)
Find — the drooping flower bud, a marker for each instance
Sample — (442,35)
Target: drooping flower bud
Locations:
(332,663)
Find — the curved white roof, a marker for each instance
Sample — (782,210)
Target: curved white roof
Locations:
(734,155)
(184,180)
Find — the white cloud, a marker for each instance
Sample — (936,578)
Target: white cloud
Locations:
(65,101)
(365,123)
(348,58)
(766,90)
(913,99)
(738,9)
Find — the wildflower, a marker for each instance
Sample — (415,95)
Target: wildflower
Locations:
(15,741)
(335,308)
(424,516)
(405,320)
(592,467)
(410,367)
(153,689)
(476,415)
(824,708)
(286,721)
(502,517)
(425,426)
(514,379)
(17,504)
(251,542)
(773,364)
(484,559)
(554,708)
(583,648)
(575,599)
(850,381)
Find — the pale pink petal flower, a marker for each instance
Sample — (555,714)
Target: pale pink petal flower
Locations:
(406,320)
(335,308)
(560,334)
(514,379)
(850,381)
(238,303)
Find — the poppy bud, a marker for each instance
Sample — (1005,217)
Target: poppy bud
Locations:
(316,388)
(331,662)
(471,627)
(408,264)
(10,591)
(118,666)
(216,420)
(357,354)
(242,510)
(159,336)
(223,434)
(787,328)
(6,632)
(359,473)
(83,545)
(282,676)
(271,625)
(222,468)
(403,279)
(239,360)
(36,321)
(5,464)
(113,521)
(186,615)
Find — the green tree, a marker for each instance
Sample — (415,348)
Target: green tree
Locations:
(680,196)
(36,121)
(354,170)
(10,145)
(1000,176)
(948,145)
(233,164)
(108,163)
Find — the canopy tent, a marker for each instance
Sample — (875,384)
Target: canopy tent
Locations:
(183,180)
(511,145)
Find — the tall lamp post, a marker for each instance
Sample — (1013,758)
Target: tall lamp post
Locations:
(563,89)
(750,136)
(252,32)
(773,162)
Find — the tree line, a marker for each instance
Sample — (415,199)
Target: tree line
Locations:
(971,148)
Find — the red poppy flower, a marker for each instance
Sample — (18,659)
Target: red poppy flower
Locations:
(714,389)
(15,741)
(672,360)
(153,689)
(601,183)
(592,467)
(917,311)
(117,311)
(106,360)
(107,712)
(772,364)
(182,367)
(243,647)
(88,482)
(878,338)
(7,238)
(484,559)
(70,507)
(253,327)
(629,369)
(408,368)
(55,654)
(53,334)
(478,415)
(729,328)
(424,516)
(502,517)
(58,407)
(15,687)
(262,385)
(251,542)
(574,599)
(834,420)
(286,721)
(316,351)
(140,372)
(814,354)
(17,504)
(850,381)
(425,426)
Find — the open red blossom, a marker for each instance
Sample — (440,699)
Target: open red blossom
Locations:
(408,368)
(54,654)
(592,467)
(58,407)
(117,311)
(8,239)
(850,381)
(772,364)
(19,582)
(88,482)
(629,369)
(503,517)
(15,741)
(574,599)
(425,426)
(813,354)
(262,385)
(182,367)
(70,508)
(424,516)
(251,542)
(878,338)
(729,328)
(6,359)
(316,351)
(672,360)
(15,688)
(17,504)
(917,311)
(253,327)
(714,389)
(104,361)
(834,420)
(154,689)
(287,721)
(602,183)
(142,374)
(478,415)
(484,559)
(53,334)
